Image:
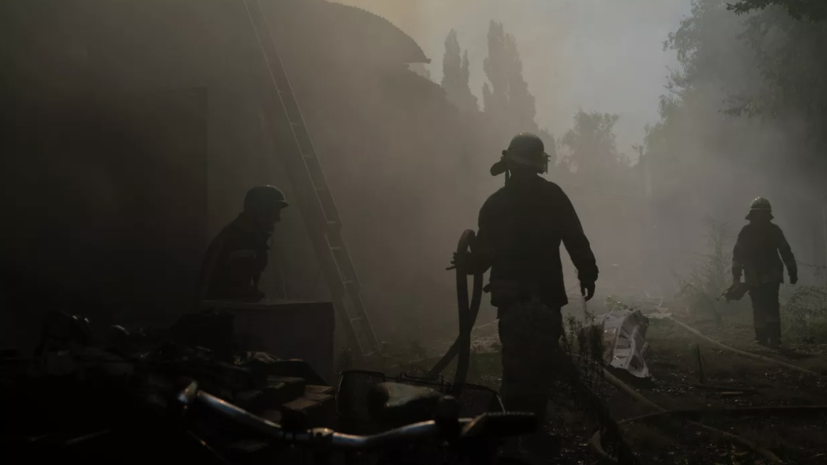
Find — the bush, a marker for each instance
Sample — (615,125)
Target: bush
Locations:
(701,288)
(804,316)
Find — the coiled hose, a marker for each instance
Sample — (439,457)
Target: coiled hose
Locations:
(468,309)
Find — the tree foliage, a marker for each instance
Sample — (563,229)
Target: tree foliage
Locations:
(506,97)
(455,75)
(521,103)
(496,67)
(813,10)
(765,64)
(712,63)
(591,143)
(794,72)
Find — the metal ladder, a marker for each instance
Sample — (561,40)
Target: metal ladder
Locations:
(314,197)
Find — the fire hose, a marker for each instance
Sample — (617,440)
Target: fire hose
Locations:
(468,308)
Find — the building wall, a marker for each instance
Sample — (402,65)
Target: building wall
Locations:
(77,52)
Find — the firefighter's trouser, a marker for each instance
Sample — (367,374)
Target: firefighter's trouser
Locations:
(529,334)
(766,314)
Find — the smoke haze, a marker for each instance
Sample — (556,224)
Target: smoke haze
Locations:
(598,55)
(408,170)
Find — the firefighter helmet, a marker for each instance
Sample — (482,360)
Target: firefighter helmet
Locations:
(264,197)
(760,204)
(525,149)
(760,207)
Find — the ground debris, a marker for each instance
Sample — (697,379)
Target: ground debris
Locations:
(124,382)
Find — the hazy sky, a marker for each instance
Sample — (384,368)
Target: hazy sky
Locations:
(598,55)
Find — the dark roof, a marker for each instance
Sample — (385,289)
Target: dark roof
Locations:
(359,29)
(409,51)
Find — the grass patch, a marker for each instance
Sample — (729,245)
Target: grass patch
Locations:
(804,316)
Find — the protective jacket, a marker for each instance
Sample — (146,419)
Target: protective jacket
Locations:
(521,227)
(234,262)
(756,254)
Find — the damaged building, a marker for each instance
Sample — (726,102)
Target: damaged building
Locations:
(133,129)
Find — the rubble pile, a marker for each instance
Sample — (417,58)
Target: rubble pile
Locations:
(116,389)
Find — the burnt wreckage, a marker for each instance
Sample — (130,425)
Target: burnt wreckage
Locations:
(157,396)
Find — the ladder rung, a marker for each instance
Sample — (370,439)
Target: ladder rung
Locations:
(335,248)
(357,319)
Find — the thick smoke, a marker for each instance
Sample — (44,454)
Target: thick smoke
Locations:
(596,55)
(408,169)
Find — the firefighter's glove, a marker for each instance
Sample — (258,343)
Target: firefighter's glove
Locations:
(470,262)
(587,290)
(793,278)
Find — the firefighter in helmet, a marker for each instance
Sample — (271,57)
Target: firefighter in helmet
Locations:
(521,227)
(239,254)
(756,255)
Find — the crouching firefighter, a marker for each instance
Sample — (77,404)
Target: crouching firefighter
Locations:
(236,258)
(756,254)
(520,230)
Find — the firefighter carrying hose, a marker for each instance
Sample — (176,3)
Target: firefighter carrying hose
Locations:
(521,227)
(756,255)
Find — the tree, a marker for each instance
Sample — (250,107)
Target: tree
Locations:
(813,10)
(521,103)
(496,65)
(506,97)
(591,143)
(794,80)
(455,75)
(757,74)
